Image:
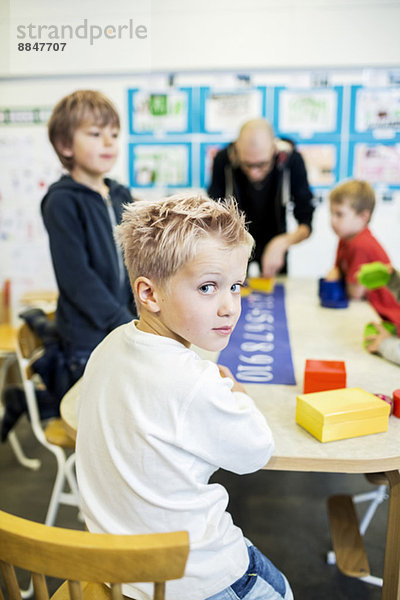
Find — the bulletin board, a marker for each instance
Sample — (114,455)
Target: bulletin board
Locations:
(341,130)
(172,125)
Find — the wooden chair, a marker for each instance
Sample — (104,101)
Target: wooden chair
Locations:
(347,532)
(51,434)
(92,558)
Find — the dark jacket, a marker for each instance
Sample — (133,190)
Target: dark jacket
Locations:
(265,204)
(92,300)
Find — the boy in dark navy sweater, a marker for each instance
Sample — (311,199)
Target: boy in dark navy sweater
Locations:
(80,212)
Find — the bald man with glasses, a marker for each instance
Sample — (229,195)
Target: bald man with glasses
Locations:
(265,174)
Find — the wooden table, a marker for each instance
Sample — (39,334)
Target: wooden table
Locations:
(326,334)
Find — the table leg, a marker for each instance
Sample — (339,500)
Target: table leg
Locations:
(391,572)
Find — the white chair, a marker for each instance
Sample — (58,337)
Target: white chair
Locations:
(51,434)
(7,361)
(30,463)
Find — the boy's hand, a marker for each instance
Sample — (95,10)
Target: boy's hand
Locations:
(237,386)
(374,341)
(333,275)
(355,291)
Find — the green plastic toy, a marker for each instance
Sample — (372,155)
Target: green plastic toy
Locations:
(374,275)
(370,329)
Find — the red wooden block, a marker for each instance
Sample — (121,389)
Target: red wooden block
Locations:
(396,400)
(322,375)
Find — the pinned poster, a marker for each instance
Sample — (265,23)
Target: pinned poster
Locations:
(308,112)
(376,111)
(162,111)
(377,163)
(321,162)
(29,166)
(225,110)
(160,165)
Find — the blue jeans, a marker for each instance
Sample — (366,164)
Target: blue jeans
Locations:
(262,581)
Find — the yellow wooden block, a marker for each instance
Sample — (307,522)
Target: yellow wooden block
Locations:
(262,284)
(342,413)
(245,291)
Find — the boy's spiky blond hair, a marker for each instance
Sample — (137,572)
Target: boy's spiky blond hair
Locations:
(159,237)
(359,195)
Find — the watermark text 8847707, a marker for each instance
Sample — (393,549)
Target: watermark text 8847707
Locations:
(41,46)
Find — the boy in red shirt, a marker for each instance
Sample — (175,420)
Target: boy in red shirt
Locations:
(351,206)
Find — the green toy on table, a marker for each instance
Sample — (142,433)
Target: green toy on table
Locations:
(374,275)
(381,338)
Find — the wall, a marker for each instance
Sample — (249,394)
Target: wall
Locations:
(200,44)
(228,34)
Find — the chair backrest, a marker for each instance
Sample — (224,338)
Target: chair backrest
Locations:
(79,556)
(28,348)
(28,342)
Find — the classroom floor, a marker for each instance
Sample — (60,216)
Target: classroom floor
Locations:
(284,514)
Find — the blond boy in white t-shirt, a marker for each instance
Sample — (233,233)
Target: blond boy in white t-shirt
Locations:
(155,421)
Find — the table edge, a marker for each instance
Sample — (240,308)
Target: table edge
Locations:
(332,465)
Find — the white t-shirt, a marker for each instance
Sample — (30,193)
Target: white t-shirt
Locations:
(154,423)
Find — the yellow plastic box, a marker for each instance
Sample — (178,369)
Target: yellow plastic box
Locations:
(342,413)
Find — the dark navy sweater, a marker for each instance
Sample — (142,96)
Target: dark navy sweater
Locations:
(92,299)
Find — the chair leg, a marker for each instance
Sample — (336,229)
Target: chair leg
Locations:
(378,581)
(71,477)
(25,461)
(30,463)
(377,497)
(65,474)
(29,590)
(74,498)
(57,489)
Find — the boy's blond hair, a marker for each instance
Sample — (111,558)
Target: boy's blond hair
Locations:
(359,195)
(82,106)
(160,237)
